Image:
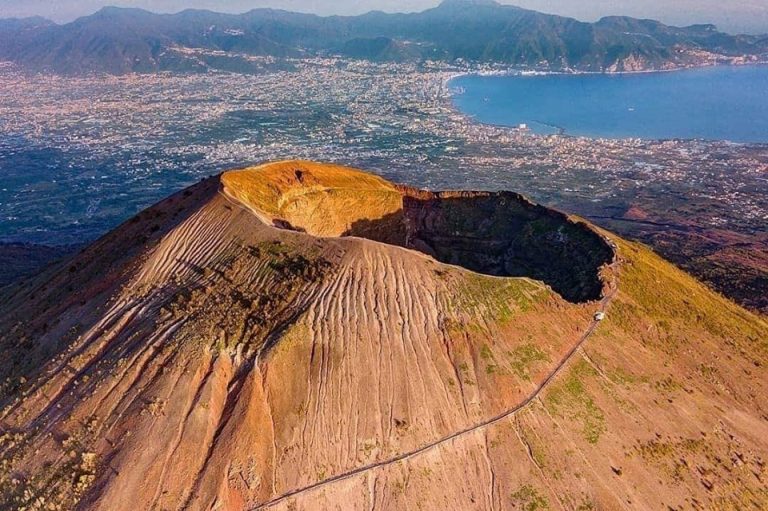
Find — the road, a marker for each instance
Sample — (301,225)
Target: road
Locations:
(488,422)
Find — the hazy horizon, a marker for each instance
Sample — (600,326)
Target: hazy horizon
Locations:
(749,17)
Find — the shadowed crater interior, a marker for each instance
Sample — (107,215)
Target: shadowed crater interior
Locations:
(500,234)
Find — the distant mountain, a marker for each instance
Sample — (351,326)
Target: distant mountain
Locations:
(25,23)
(116,40)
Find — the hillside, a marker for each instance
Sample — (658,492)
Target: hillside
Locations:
(118,41)
(308,336)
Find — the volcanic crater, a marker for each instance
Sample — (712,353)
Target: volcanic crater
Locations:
(207,354)
(495,233)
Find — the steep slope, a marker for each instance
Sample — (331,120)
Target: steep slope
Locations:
(18,260)
(121,41)
(234,348)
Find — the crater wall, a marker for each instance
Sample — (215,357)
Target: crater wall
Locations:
(504,234)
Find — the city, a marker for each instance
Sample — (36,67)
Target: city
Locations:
(80,155)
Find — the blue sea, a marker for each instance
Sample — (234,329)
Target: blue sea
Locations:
(715,103)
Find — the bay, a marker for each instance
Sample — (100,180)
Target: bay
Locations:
(715,103)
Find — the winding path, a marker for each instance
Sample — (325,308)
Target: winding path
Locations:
(488,422)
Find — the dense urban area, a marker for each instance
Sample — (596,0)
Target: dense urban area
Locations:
(80,155)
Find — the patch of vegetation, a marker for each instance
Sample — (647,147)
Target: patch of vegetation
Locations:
(667,385)
(675,308)
(737,498)
(287,262)
(497,299)
(368,447)
(523,357)
(659,450)
(464,369)
(252,310)
(671,455)
(487,355)
(621,376)
(710,373)
(398,487)
(570,398)
(528,498)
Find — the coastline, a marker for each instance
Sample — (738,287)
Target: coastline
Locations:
(451,76)
(575,72)
(452,93)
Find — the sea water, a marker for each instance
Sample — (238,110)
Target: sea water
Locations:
(715,103)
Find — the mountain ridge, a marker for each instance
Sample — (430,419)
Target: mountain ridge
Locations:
(119,40)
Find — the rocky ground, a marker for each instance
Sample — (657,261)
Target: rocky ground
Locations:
(210,354)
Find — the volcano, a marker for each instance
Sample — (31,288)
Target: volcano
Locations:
(301,335)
